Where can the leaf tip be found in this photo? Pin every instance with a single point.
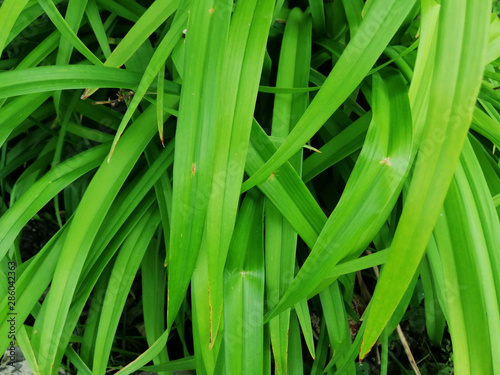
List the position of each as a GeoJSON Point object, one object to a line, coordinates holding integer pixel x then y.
{"type": "Point", "coordinates": [111, 153]}
{"type": "Point", "coordinates": [363, 351]}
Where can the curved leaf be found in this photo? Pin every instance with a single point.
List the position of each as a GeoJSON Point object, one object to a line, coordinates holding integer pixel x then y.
{"type": "Point", "coordinates": [371, 192]}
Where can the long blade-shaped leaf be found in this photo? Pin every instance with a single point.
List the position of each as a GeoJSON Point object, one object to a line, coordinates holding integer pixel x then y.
{"type": "Point", "coordinates": [242, 66]}
{"type": "Point", "coordinates": [371, 191]}
{"type": "Point", "coordinates": [461, 33]}
{"type": "Point", "coordinates": [244, 292]}
{"type": "Point", "coordinates": [66, 31]}
{"type": "Point", "coordinates": [89, 216]}
{"type": "Point", "coordinates": [156, 14]}
{"type": "Point", "coordinates": [9, 11]}
{"type": "Point", "coordinates": [194, 144]}
{"type": "Point", "coordinates": [379, 25]}
{"type": "Point", "coordinates": [281, 239]}
{"type": "Point", "coordinates": [125, 267]}
{"type": "Point", "coordinates": [156, 63]}
{"type": "Point", "coordinates": [49, 78]}
{"type": "Point", "coordinates": [466, 261]}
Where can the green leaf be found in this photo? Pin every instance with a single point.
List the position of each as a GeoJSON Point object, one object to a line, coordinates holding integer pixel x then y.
{"type": "Point", "coordinates": [281, 238]}
{"type": "Point", "coordinates": [194, 139]}
{"type": "Point", "coordinates": [461, 33]}
{"type": "Point", "coordinates": [88, 217]}
{"type": "Point", "coordinates": [244, 292]}
{"type": "Point", "coordinates": [370, 194]}
{"type": "Point", "coordinates": [379, 25]}
{"type": "Point", "coordinates": [50, 78]}
{"type": "Point", "coordinates": [155, 64]}
{"type": "Point", "coordinates": [9, 12]}
{"type": "Point", "coordinates": [66, 31]}
{"type": "Point", "coordinates": [242, 66]}
{"type": "Point", "coordinates": [125, 267]}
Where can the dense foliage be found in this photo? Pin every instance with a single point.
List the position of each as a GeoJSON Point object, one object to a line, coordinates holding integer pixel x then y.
{"type": "Point", "coordinates": [213, 185]}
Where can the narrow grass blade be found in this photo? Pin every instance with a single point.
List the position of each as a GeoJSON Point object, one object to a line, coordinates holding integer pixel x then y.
{"type": "Point", "coordinates": [12, 222]}
{"type": "Point", "coordinates": [207, 353]}
{"type": "Point", "coordinates": [73, 18]}
{"type": "Point", "coordinates": [159, 99]}
{"type": "Point", "coordinates": [467, 260]}
{"type": "Point", "coordinates": [50, 78]}
{"type": "Point", "coordinates": [163, 190]}
{"type": "Point", "coordinates": [66, 31]}
{"type": "Point", "coordinates": [353, 10]}
{"type": "Point", "coordinates": [321, 350]}
{"type": "Point", "coordinates": [295, 361]}
{"type": "Point", "coordinates": [92, 322]}
{"type": "Point", "coordinates": [344, 144]}
{"type": "Point", "coordinates": [154, 288]}
{"type": "Point", "coordinates": [131, 205]}
{"type": "Point", "coordinates": [281, 239]}
{"type": "Point", "coordinates": [335, 317]}
{"type": "Point", "coordinates": [183, 364]}
{"type": "Point", "coordinates": [24, 343]}
{"type": "Point", "coordinates": [30, 13]}
{"type": "Point", "coordinates": [155, 64]}
{"type": "Point", "coordinates": [34, 281]}
{"type": "Point", "coordinates": [318, 16]}
{"type": "Point", "coordinates": [304, 316]}
{"type": "Point", "coordinates": [17, 110]}
{"type": "Point", "coordinates": [155, 15]}
{"type": "Point", "coordinates": [98, 271]}
{"type": "Point", "coordinates": [297, 205]}
{"type": "Point", "coordinates": [434, 318]}
{"type": "Point", "coordinates": [122, 10]}
{"type": "Point", "coordinates": [92, 13]}
{"type": "Point", "coordinates": [74, 15]}
{"type": "Point", "coordinates": [486, 126]}
{"type": "Point", "coordinates": [493, 50]}
{"type": "Point", "coordinates": [31, 284]}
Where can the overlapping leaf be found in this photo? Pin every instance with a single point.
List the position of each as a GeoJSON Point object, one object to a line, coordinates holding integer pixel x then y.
{"type": "Point", "coordinates": [451, 103]}
{"type": "Point", "coordinates": [372, 189]}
